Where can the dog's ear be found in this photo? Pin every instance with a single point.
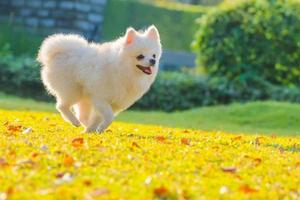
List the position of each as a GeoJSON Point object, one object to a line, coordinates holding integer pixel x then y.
{"type": "Point", "coordinates": [130, 35]}
{"type": "Point", "coordinates": [153, 33]}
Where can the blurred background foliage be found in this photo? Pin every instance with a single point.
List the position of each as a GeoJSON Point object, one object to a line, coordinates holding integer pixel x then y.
{"type": "Point", "coordinates": [176, 22]}
{"type": "Point", "coordinates": [191, 2]}
{"type": "Point", "coordinates": [18, 40]}
{"type": "Point", "coordinates": [246, 51]}
{"type": "Point", "coordinates": [251, 39]}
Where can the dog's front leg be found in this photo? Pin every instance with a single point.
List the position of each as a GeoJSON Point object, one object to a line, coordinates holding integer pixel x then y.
{"type": "Point", "coordinates": [107, 115]}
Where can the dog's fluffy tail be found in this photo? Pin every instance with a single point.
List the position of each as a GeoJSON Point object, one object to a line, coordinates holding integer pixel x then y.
{"type": "Point", "coordinates": [58, 44]}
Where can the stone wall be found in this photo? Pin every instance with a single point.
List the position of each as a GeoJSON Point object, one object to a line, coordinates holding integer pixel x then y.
{"type": "Point", "coordinates": [174, 60]}
{"type": "Point", "coordinates": [78, 16]}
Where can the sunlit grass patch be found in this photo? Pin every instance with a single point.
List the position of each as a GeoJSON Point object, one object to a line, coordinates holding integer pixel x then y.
{"type": "Point", "coordinates": [42, 157]}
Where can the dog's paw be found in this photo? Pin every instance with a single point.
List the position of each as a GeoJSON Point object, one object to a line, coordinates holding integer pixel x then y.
{"type": "Point", "coordinates": [89, 130]}
{"type": "Point", "coordinates": [100, 130]}
{"type": "Point", "coordinates": [76, 124]}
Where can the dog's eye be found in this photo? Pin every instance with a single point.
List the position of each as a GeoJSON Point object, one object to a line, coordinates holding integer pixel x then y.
{"type": "Point", "coordinates": [140, 57]}
{"type": "Point", "coordinates": [153, 55]}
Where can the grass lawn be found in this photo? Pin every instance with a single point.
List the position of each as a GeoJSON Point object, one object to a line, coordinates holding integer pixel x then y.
{"type": "Point", "coordinates": [42, 157]}
{"type": "Point", "coordinates": [258, 117]}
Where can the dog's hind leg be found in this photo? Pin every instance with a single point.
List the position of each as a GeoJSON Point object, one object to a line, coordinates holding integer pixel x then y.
{"type": "Point", "coordinates": [65, 110]}
{"type": "Point", "coordinates": [84, 111]}
{"type": "Point", "coordinates": [95, 120]}
{"type": "Point", "coordinates": [102, 111]}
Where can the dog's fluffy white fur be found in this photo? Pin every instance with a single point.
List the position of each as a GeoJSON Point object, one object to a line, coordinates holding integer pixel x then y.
{"type": "Point", "coordinates": [99, 80]}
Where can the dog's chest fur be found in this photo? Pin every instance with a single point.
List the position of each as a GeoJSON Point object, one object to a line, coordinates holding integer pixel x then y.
{"type": "Point", "coordinates": [129, 91]}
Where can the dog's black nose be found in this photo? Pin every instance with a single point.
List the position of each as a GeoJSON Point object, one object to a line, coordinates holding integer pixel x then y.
{"type": "Point", "coordinates": [152, 62]}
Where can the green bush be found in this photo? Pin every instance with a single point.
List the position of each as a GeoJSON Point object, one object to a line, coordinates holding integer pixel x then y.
{"type": "Point", "coordinates": [254, 38]}
{"type": "Point", "coordinates": [175, 91]}
{"type": "Point", "coordinates": [176, 26]}
{"type": "Point", "coordinates": [178, 91]}
{"type": "Point", "coordinates": [19, 40]}
{"type": "Point", "coordinates": [20, 75]}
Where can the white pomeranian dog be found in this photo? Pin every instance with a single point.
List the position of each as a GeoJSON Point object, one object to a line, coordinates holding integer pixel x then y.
{"type": "Point", "coordinates": [99, 80]}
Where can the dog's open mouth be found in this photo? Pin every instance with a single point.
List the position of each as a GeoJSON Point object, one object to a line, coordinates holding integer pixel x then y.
{"type": "Point", "coordinates": [146, 70]}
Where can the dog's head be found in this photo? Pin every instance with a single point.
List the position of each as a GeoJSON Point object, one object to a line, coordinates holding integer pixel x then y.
{"type": "Point", "coordinates": [143, 49]}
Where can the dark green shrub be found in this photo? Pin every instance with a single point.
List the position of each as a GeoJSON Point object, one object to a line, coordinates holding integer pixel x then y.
{"type": "Point", "coordinates": [227, 91]}
{"type": "Point", "coordinates": [22, 42]}
{"type": "Point", "coordinates": [176, 26]}
{"type": "Point", "coordinates": [285, 94]}
{"type": "Point", "coordinates": [254, 38]}
{"type": "Point", "coordinates": [20, 75]}
{"type": "Point", "coordinates": [175, 91]}
{"type": "Point", "coordinates": [178, 91]}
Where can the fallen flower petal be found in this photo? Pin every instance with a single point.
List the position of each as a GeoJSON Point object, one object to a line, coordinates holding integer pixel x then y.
{"type": "Point", "coordinates": [229, 169]}
{"type": "Point", "coordinates": [161, 191]}
{"type": "Point", "coordinates": [27, 130]}
{"type": "Point", "coordinates": [77, 142]}
{"type": "Point", "coordinates": [185, 141]}
{"type": "Point", "coordinates": [99, 192]}
{"type": "Point", "coordinates": [246, 189]}
{"type": "Point", "coordinates": [68, 161]}
{"type": "Point", "coordinates": [224, 190]}
{"type": "Point", "coordinates": [160, 138]}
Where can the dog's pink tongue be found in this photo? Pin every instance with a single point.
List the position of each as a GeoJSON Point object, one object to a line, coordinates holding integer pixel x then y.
{"type": "Point", "coordinates": [148, 70]}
